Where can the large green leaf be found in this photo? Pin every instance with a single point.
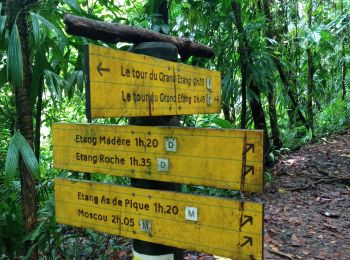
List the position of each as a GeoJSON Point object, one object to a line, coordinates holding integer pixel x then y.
{"type": "Point", "coordinates": [14, 57]}
{"type": "Point", "coordinates": [74, 5]}
{"type": "Point", "coordinates": [36, 28]}
{"type": "Point", "coordinates": [11, 165]}
{"type": "Point", "coordinates": [49, 25]}
{"type": "Point", "coordinates": [40, 64]}
{"type": "Point", "coordinates": [51, 85]}
{"type": "Point", "coordinates": [2, 24]}
{"type": "Point", "coordinates": [28, 155]}
{"type": "Point", "coordinates": [55, 84]}
{"type": "Point", "coordinates": [222, 123]}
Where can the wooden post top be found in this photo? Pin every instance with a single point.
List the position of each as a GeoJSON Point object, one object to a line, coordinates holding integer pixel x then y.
{"type": "Point", "coordinates": [113, 33]}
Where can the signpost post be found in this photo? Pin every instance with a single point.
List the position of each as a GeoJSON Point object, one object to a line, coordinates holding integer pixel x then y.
{"type": "Point", "coordinates": [163, 51]}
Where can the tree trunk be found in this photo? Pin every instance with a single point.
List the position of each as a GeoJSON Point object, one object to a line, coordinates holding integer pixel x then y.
{"type": "Point", "coordinates": [276, 136]}
{"type": "Point", "coordinates": [343, 82]}
{"type": "Point", "coordinates": [344, 68]}
{"type": "Point", "coordinates": [242, 59]}
{"type": "Point", "coordinates": [255, 103]}
{"type": "Point", "coordinates": [38, 113]}
{"type": "Point", "coordinates": [226, 111]}
{"type": "Point", "coordinates": [259, 114]}
{"type": "Point", "coordinates": [310, 73]}
{"type": "Point", "coordinates": [285, 75]}
{"type": "Point", "coordinates": [24, 115]}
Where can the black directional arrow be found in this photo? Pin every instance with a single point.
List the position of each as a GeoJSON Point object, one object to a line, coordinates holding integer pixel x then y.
{"type": "Point", "coordinates": [248, 240]}
{"type": "Point", "coordinates": [248, 219]}
{"type": "Point", "coordinates": [100, 69]}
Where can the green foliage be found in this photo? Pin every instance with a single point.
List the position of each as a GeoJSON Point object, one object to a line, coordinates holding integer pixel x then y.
{"type": "Point", "coordinates": [11, 233]}
{"type": "Point", "coordinates": [202, 190]}
{"type": "Point", "coordinates": [14, 57]}
{"type": "Point", "coordinates": [11, 166]}
{"type": "Point", "coordinates": [333, 117]}
{"type": "Point", "coordinates": [19, 146]}
{"type": "Point", "coordinates": [268, 177]}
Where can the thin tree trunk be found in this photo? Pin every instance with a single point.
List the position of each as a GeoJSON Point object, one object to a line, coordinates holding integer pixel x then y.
{"type": "Point", "coordinates": [255, 103]}
{"type": "Point", "coordinates": [276, 136]}
{"type": "Point", "coordinates": [286, 75]}
{"type": "Point", "coordinates": [24, 115]}
{"type": "Point", "coordinates": [343, 82]}
{"type": "Point", "coordinates": [226, 111]}
{"type": "Point", "coordinates": [233, 114]}
{"type": "Point", "coordinates": [38, 120]}
{"type": "Point", "coordinates": [290, 93]}
{"type": "Point", "coordinates": [259, 114]}
{"type": "Point", "coordinates": [310, 73]}
{"type": "Point", "coordinates": [344, 68]}
{"type": "Point", "coordinates": [236, 7]}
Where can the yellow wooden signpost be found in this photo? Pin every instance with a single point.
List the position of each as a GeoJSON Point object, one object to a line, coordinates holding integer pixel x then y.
{"type": "Point", "coordinates": [126, 84]}
{"type": "Point", "coordinates": [206, 224]}
{"type": "Point", "coordinates": [231, 159]}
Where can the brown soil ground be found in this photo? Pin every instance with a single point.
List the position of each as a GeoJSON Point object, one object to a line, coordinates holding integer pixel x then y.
{"type": "Point", "coordinates": [307, 208]}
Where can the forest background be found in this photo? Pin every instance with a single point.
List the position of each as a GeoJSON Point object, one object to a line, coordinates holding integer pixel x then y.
{"type": "Point", "coordinates": [284, 67]}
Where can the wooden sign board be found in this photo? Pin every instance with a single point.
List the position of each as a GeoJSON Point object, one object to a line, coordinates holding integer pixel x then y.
{"type": "Point", "coordinates": [207, 224]}
{"type": "Point", "coordinates": [126, 84]}
{"type": "Point", "coordinates": [230, 159]}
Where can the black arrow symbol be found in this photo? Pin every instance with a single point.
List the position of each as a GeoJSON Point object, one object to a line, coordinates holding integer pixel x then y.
{"type": "Point", "coordinates": [248, 240]}
{"type": "Point", "coordinates": [100, 69]}
{"type": "Point", "coordinates": [247, 220]}
{"type": "Point", "coordinates": [248, 169]}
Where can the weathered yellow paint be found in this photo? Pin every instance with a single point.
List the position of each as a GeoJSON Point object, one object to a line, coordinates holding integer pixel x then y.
{"type": "Point", "coordinates": [127, 84]}
{"type": "Point", "coordinates": [223, 227]}
{"type": "Point", "coordinates": [209, 157]}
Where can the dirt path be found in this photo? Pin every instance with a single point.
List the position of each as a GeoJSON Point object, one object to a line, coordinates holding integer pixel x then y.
{"type": "Point", "coordinates": [307, 208]}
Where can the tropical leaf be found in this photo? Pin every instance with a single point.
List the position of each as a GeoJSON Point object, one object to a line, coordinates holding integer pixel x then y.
{"type": "Point", "coordinates": [40, 64]}
{"type": "Point", "coordinates": [2, 24]}
{"type": "Point", "coordinates": [74, 5]}
{"type": "Point", "coordinates": [28, 155]}
{"type": "Point", "coordinates": [48, 25]}
{"type": "Point", "coordinates": [222, 122]}
{"type": "Point", "coordinates": [50, 83]}
{"type": "Point", "coordinates": [14, 57]}
{"type": "Point", "coordinates": [80, 80]}
{"type": "Point", "coordinates": [36, 28]}
{"type": "Point", "coordinates": [11, 165]}
{"type": "Point", "coordinates": [55, 84]}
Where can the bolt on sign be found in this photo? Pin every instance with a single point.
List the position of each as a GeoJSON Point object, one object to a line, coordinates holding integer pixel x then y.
{"type": "Point", "coordinates": [230, 159]}
{"type": "Point", "coordinates": [214, 225]}
{"type": "Point", "coordinates": [126, 84]}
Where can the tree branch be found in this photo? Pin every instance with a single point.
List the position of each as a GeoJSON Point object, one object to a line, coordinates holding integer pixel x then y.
{"type": "Point", "coordinates": [113, 33]}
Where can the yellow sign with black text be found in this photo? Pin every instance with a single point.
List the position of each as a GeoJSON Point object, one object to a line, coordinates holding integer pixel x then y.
{"type": "Point", "coordinates": [207, 224]}
{"type": "Point", "coordinates": [121, 83]}
{"type": "Point", "coordinates": [229, 159]}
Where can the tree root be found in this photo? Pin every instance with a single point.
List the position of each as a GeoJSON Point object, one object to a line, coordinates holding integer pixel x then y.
{"type": "Point", "coordinates": [345, 180]}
